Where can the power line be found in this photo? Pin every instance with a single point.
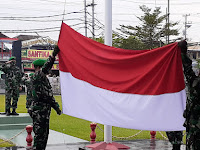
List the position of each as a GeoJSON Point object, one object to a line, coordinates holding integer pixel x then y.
{"type": "Point", "coordinates": [28, 31]}
{"type": "Point", "coordinates": [37, 30]}
{"type": "Point", "coordinates": [153, 3]}
{"type": "Point", "coordinates": [42, 20]}
{"type": "Point", "coordinates": [50, 16]}
{"type": "Point", "coordinates": [31, 29]}
{"type": "Point", "coordinates": [44, 1]}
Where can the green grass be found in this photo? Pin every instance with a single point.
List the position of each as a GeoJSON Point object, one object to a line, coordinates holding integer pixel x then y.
{"type": "Point", "coordinates": [5, 144]}
{"type": "Point", "coordinates": [81, 128]}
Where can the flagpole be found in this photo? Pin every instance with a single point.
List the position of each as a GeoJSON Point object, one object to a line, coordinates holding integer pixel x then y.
{"type": "Point", "coordinates": [108, 41]}
{"type": "Point", "coordinates": [108, 128]}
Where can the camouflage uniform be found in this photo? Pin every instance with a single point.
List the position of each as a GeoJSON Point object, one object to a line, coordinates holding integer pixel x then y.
{"type": "Point", "coordinates": [29, 97]}
{"type": "Point", "coordinates": [12, 82]}
{"type": "Point", "coordinates": [175, 138]}
{"type": "Point", "coordinates": [43, 100]}
{"type": "Point", "coordinates": [192, 112]}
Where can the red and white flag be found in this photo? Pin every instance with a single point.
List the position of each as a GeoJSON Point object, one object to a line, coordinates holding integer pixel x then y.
{"type": "Point", "coordinates": [137, 89]}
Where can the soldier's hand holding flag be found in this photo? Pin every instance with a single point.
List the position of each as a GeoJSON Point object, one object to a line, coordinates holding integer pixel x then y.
{"type": "Point", "coordinates": [59, 112]}
{"type": "Point", "coordinates": [56, 51]}
{"type": "Point", "coordinates": [183, 46]}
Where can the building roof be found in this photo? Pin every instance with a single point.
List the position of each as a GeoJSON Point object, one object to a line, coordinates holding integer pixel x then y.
{"type": "Point", "coordinates": [194, 48]}
{"type": "Point", "coordinates": [26, 37]}
{"type": "Point", "coordinates": [3, 35]}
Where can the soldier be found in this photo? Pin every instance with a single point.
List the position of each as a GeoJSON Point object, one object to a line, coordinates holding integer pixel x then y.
{"type": "Point", "coordinates": [27, 81]}
{"type": "Point", "coordinates": [12, 82]}
{"type": "Point", "coordinates": [175, 138]}
{"type": "Point", "coordinates": [192, 112]}
{"type": "Point", "coordinates": [43, 100]}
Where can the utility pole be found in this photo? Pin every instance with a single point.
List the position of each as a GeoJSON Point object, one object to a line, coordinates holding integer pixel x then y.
{"type": "Point", "coordinates": [168, 23]}
{"type": "Point", "coordinates": [92, 5]}
{"type": "Point", "coordinates": [166, 32]}
{"type": "Point", "coordinates": [85, 18]}
{"type": "Point", "coordinates": [187, 25]}
{"type": "Point", "coordinates": [93, 35]}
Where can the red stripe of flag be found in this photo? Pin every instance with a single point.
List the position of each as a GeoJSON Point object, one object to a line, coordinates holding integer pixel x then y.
{"type": "Point", "coordinates": [146, 72]}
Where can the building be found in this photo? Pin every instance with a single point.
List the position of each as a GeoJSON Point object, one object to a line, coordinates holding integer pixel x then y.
{"type": "Point", "coordinates": [27, 48]}
{"type": "Point", "coordinates": [38, 48]}
{"type": "Point", "coordinates": [5, 52]}
{"type": "Point", "coordinates": [194, 51]}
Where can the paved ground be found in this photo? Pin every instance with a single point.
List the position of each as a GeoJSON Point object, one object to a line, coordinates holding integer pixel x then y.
{"type": "Point", "coordinates": [134, 145]}
{"type": "Point", "coordinates": [55, 138]}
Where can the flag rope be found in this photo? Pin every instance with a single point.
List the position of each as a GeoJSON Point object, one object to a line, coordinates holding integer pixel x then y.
{"type": "Point", "coordinates": [9, 140]}
{"type": "Point", "coordinates": [64, 11]}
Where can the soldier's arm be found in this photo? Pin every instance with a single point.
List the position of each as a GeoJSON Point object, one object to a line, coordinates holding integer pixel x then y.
{"type": "Point", "coordinates": [5, 67]}
{"type": "Point", "coordinates": [1, 67]}
{"type": "Point", "coordinates": [23, 80]}
{"type": "Point", "coordinates": [50, 61]}
{"type": "Point", "coordinates": [48, 65]}
{"type": "Point", "coordinates": [188, 71]}
{"type": "Point", "coordinates": [187, 63]}
{"type": "Point", "coordinates": [55, 106]}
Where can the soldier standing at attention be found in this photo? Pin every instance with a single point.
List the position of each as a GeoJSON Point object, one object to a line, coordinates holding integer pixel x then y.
{"type": "Point", "coordinates": [192, 112]}
{"type": "Point", "coordinates": [27, 81]}
{"type": "Point", "coordinates": [12, 82]}
{"type": "Point", "coordinates": [43, 100]}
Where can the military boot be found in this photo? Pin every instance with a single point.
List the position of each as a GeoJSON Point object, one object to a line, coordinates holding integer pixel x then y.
{"type": "Point", "coordinates": [7, 112]}
{"type": "Point", "coordinates": [176, 147]}
{"type": "Point", "coordinates": [14, 112]}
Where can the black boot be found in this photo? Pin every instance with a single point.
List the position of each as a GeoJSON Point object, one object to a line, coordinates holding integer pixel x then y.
{"type": "Point", "coordinates": [14, 112]}
{"type": "Point", "coordinates": [176, 147]}
{"type": "Point", "coordinates": [8, 112]}
{"type": "Point", "coordinates": [4, 112]}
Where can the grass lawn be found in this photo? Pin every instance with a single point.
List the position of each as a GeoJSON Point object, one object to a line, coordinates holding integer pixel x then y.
{"type": "Point", "coordinates": [78, 127]}
{"type": "Point", "coordinates": [5, 144]}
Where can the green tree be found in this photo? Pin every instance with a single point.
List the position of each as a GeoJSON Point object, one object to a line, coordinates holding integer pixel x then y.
{"type": "Point", "coordinates": [131, 42]}
{"type": "Point", "coordinates": [152, 27]}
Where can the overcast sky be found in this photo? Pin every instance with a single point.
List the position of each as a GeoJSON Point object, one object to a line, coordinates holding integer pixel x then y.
{"type": "Point", "coordinates": [45, 15]}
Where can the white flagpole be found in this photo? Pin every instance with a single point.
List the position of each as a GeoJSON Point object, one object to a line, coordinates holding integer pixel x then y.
{"type": "Point", "coordinates": [108, 41]}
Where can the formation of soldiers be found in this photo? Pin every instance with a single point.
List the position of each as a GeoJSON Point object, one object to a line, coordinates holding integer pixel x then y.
{"type": "Point", "coordinates": [39, 99]}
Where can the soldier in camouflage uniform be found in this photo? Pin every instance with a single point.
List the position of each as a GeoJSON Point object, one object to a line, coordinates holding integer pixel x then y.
{"type": "Point", "coordinates": [175, 138]}
{"type": "Point", "coordinates": [27, 81]}
{"type": "Point", "coordinates": [12, 82]}
{"type": "Point", "coordinates": [43, 100]}
{"type": "Point", "coordinates": [192, 112]}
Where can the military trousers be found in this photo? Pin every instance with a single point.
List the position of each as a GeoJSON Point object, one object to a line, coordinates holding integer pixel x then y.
{"type": "Point", "coordinates": [193, 141]}
{"type": "Point", "coordinates": [12, 94]}
{"type": "Point", "coordinates": [40, 127]}
{"type": "Point", "coordinates": [28, 102]}
{"type": "Point", "coordinates": [175, 137]}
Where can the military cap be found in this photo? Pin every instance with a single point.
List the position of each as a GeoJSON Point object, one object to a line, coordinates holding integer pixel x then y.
{"type": "Point", "coordinates": [31, 74]}
{"type": "Point", "coordinates": [39, 62]}
{"type": "Point", "coordinates": [12, 58]}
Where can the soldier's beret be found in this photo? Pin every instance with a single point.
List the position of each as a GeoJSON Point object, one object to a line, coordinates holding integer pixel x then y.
{"type": "Point", "coordinates": [39, 62]}
{"type": "Point", "coordinates": [12, 58]}
{"type": "Point", "coordinates": [31, 74]}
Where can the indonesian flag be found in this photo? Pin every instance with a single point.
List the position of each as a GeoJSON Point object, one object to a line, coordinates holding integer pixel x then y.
{"type": "Point", "coordinates": [137, 89]}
